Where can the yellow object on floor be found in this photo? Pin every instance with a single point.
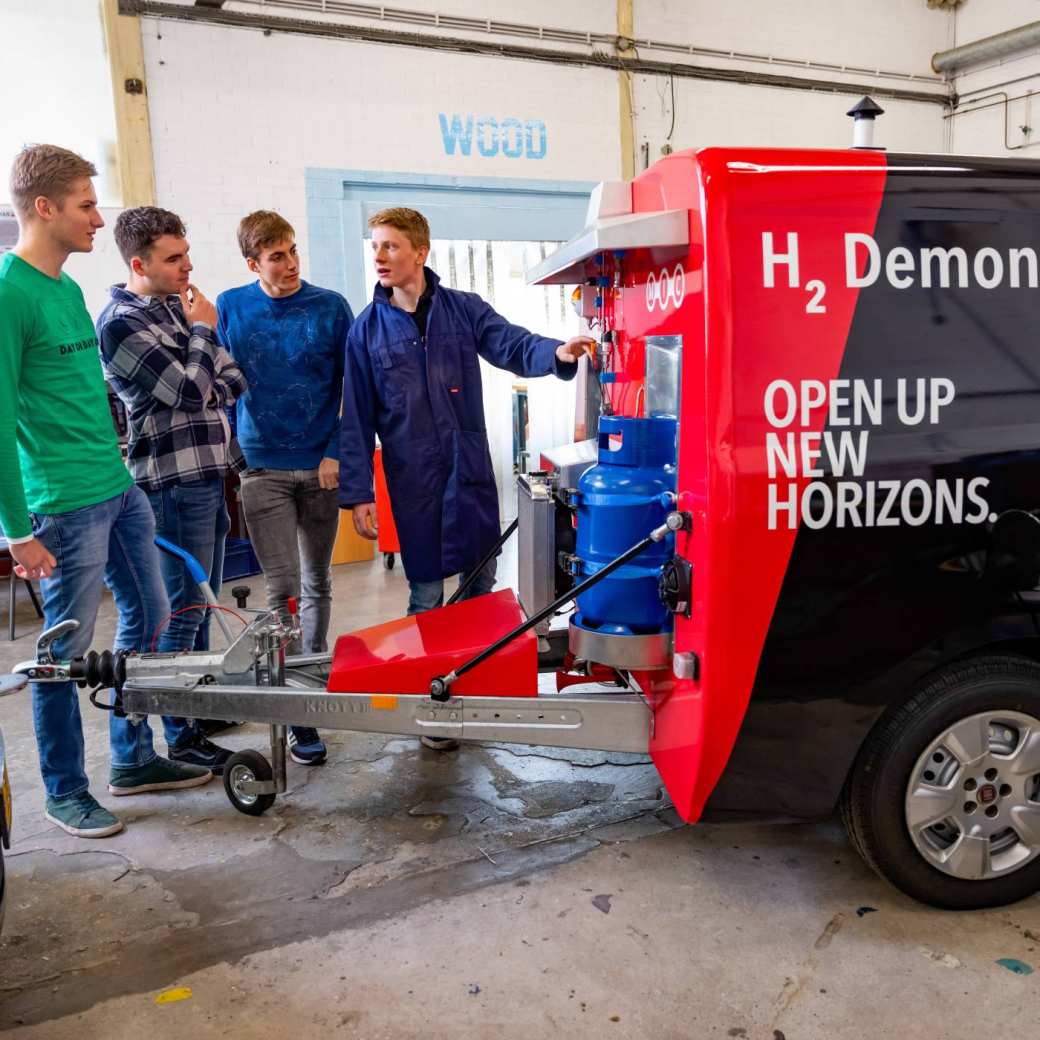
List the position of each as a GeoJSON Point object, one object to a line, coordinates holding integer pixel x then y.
{"type": "Point", "coordinates": [171, 996]}
{"type": "Point", "coordinates": [350, 547]}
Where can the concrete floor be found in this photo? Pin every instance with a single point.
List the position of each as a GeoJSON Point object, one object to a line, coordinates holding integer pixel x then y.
{"type": "Point", "coordinates": [500, 891]}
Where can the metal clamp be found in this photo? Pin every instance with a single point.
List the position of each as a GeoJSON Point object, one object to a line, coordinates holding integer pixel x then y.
{"type": "Point", "coordinates": [570, 564]}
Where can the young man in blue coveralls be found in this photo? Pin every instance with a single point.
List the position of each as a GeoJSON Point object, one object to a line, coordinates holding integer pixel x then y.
{"type": "Point", "coordinates": [412, 377]}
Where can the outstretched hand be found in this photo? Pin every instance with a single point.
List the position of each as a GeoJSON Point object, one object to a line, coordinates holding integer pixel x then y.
{"type": "Point", "coordinates": [575, 348]}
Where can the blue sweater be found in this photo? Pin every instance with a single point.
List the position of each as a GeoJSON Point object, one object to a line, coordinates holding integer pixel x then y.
{"type": "Point", "coordinates": [291, 351]}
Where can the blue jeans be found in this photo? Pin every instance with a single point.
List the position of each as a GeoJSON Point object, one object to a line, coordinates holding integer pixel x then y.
{"type": "Point", "coordinates": [426, 595]}
{"type": "Point", "coordinates": [192, 516]}
{"type": "Point", "coordinates": [110, 542]}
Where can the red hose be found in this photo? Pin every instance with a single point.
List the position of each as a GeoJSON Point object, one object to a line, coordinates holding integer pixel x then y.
{"type": "Point", "coordinates": [194, 606]}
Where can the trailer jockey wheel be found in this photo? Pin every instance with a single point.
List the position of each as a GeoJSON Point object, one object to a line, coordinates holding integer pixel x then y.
{"type": "Point", "coordinates": [388, 561]}
{"type": "Point", "coordinates": [241, 768]}
{"type": "Point", "coordinates": [944, 797]}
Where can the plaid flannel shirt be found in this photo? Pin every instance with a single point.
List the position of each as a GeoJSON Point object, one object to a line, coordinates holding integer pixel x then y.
{"type": "Point", "coordinates": [176, 384]}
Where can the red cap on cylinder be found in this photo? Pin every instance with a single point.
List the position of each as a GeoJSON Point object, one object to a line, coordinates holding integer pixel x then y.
{"type": "Point", "coordinates": [290, 605]}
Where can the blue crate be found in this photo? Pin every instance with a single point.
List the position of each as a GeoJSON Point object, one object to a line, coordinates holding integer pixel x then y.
{"type": "Point", "coordinates": [239, 559]}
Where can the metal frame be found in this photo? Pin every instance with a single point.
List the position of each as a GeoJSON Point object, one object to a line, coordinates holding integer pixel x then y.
{"type": "Point", "coordinates": [254, 681]}
{"type": "Point", "coordinates": [604, 722]}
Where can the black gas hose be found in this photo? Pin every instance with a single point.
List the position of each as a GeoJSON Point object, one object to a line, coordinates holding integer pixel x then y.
{"type": "Point", "coordinates": [473, 574]}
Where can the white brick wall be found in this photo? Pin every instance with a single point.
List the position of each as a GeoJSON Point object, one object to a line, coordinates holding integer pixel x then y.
{"type": "Point", "coordinates": [894, 35]}
{"type": "Point", "coordinates": [982, 132]}
{"type": "Point", "coordinates": [239, 136]}
{"type": "Point", "coordinates": [237, 116]}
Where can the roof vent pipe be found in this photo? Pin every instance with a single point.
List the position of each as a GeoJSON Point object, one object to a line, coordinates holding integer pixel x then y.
{"type": "Point", "coordinates": [1004, 44]}
{"type": "Point", "coordinates": [863, 113]}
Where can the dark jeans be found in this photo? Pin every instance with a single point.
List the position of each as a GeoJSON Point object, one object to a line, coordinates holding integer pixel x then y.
{"type": "Point", "coordinates": [292, 524]}
{"type": "Point", "coordinates": [192, 516]}
{"type": "Point", "coordinates": [426, 595]}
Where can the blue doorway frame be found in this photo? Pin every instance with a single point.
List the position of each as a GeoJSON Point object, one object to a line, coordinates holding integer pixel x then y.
{"type": "Point", "coordinates": [339, 203]}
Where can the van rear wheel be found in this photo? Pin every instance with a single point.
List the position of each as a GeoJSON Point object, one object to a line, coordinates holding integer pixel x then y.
{"type": "Point", "coordinates": [944, 798]}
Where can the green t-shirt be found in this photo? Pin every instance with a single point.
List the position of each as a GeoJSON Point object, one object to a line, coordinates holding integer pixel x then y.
{"type": "Point", "coordinates": [58, 446]}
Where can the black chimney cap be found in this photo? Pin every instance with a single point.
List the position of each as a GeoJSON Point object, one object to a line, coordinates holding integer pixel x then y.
{"type": "Point", "coordinates": [865, 108]}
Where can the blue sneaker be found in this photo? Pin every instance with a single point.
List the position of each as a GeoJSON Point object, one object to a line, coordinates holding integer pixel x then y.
{"type": "Point", "coordinates": [158, 775]}
{"type": "Point", "coordinates": [306, 747]}
{"type": "Point", "coordinates": [82, 815]}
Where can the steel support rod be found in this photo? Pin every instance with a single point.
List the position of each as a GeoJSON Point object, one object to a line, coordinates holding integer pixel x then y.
{"type": "Point", "coordinates": [473, 574]}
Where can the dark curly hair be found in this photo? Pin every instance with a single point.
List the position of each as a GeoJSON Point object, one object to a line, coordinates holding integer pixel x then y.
{"type": "Point", "coordinates": [138, 229]}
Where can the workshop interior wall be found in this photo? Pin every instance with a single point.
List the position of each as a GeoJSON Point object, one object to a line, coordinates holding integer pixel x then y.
{"type": "Point", "coordinates": [238, 116]}
{"type": "Point", "coordinates": [240, 134]}
{"type": "Point", "coordinates": [997, 84]}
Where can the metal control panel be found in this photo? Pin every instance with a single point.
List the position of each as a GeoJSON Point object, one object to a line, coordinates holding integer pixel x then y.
{"type": "Point", "coordinates": [536, 543]}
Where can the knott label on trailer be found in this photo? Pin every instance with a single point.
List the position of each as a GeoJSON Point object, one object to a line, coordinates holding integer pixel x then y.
{"type": "Point", "coordinates": [794, 456]}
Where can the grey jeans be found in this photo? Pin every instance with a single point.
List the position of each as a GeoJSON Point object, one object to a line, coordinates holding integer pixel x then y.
{"type": "Point", "coordinates": [292, 524]}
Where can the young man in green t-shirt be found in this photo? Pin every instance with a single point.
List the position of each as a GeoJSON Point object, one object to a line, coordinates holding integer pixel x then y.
{"type": "Point", "coordinates": [68, 508]}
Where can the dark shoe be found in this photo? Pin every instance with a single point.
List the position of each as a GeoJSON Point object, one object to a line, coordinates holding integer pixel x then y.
{"type": "Point", "coordinates": [207, 727]}
{"type": "Point", "coordinates": [196, 750]}
{"type": "Point", "coordinates": [82, 815]}
{"type": "Point", "coordinates": [306, 747]}
{"type": "Point", "coordinates": [441, 743]}
{"type": "Point", "coordinates": [158, 775]}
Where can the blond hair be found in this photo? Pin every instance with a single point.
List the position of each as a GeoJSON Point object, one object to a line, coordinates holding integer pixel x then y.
{"type": "Point", "coordinates": [261, 230]}
{"type": "Point", "coordinates": [410, 222]}
{"type": "Point", "coordinates": [47, 170]}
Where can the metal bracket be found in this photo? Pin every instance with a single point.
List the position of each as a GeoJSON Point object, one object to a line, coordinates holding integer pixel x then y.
{"type": "Point", "coordinates": [51, 635]}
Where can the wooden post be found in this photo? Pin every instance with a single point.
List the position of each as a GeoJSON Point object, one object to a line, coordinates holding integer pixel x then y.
{"type": "Point", "coordinates": [626, 110]}
{"type": "Point", "coordinates": [129, 93]}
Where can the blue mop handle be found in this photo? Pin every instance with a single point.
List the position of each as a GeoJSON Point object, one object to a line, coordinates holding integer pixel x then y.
{"type": "Point", "coordinates": [194, 567]}
{"type": "Point", "coordinates": [196, 570]}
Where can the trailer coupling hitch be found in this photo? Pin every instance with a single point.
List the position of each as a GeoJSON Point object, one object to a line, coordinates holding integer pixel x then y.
{"type": "Point", "coordinates": [440, 688]}
{"type": "Point", "coordinates": [96, 670]}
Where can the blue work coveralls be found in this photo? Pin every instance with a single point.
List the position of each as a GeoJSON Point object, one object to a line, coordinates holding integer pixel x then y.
{"type": "Point", "coordinates": [423, 397]}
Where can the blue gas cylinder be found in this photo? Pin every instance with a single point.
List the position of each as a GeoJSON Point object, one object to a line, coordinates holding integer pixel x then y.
{"type": "Point", "coordinates": [620, 501]}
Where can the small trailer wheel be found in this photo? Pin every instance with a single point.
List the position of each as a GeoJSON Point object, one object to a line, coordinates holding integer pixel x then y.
{"type": "Point", "coordinates": [240, 768]}
{"type": "Point", "coordinates": [388, 561]}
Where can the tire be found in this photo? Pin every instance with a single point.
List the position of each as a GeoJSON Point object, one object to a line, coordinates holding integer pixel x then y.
{"type": "Point", "coordinates": [247, 765]}
{"type": "Point", "coordinates": [388, 561]}
{"type": "Point", "coordinates": [954, 825]}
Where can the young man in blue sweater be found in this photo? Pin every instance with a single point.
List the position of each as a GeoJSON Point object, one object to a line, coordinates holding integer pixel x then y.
{"type": "Point", "coordinates": [289, 339]}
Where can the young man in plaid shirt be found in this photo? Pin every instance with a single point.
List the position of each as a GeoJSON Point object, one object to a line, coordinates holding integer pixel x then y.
{"type": "Point", "coordinates": [161, 356]}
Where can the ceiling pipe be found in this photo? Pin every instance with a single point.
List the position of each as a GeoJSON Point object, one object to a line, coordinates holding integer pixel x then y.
{"type": "Point", "coordinates": [1014, 41]}
{"type": "Point", "coordinates": [269, 24]}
